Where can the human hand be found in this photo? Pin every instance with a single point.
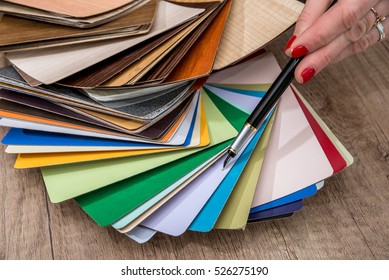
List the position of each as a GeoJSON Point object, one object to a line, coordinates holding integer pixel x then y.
{"type": "Point", "coordinates": [326, 37]}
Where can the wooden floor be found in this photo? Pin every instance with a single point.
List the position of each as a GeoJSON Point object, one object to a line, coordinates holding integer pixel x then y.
{"type": "Point", "coordinates": [348, 219]}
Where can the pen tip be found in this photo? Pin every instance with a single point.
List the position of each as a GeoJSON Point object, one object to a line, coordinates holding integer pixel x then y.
{"type": "Point", "coordinates": [226, 161]}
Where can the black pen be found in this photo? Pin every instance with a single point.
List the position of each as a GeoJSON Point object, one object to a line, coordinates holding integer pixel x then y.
{"type": "Point", "coordinates": [264, 107]}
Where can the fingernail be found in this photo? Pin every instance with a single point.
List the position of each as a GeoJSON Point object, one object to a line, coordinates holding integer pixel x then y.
{"type": "Point", "coordinates": [307, 74]}
{"type": "Point", "coordinates": [299, 51]}
{"type": "Point", "coordinates": [290, 42]}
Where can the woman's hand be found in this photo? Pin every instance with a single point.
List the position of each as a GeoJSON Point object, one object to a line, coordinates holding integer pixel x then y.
{"type": "Point", "coordinates": [325, 37]}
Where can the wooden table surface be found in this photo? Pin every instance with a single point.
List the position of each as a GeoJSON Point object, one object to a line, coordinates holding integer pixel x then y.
{"type": "Point", "coordinates": [347, 219]}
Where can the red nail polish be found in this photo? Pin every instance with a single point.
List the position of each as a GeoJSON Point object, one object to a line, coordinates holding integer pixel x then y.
{"type": "Point", "coordinates": [307, 74]}
{"type": "Point", "coordinates": [299, 51]}
{"type": "Point", "coordinates": [290, 42]}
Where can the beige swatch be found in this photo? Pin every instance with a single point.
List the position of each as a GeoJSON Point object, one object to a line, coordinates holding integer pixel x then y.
{"type": "Point", "coordinates": [253, 24]}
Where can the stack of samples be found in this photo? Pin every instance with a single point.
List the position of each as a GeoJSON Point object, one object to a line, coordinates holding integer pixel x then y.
{"type": "Point", "coordinates": [128, 107]}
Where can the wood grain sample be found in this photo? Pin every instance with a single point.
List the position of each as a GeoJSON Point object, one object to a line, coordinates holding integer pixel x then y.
{"type": "Point", "coordinates": [53, 64]}
{"type": "Point", "coordinates": [74, 8]}
{"type": "Point", "coordinates": [199, 59]}
{"type": "Point", "coordinates": [21, 34]}
{"type": "Point", "coordinates": [253, 24]}
{"type": "Point", "coordinates": [99, 73]}
{"type": "Point", "coordinates": [139, 68]}
{"type": "Point", "coordinates": [162, 70]}
{"type": "Point", "coordinates": [86, 22]}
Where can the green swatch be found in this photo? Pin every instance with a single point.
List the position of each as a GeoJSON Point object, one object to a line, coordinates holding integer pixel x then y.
{"type": "Point", "coordinates": [111, 203]}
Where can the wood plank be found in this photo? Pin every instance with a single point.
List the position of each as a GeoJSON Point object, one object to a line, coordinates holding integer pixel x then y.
{"type": "Point", "coordinates": [24, 220]}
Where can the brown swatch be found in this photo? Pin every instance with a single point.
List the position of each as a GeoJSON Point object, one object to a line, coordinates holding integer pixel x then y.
{"type": "Point", "coordinates": [166, 66]}
{"type": "Point", "coordinates": [199, 60]}
{"type": "Point", "coordinates": [99, 73]}
{"type": "Point", "coordinates": [54, 64]}
{"type": "Point", "coordinates": [19, 34]}
{"type": "Point", "coordinates": [74, 8]}
{"type": "Point", "coordinates": [60, 19]}
{"type": "Point", "coordinates": [133, 72]}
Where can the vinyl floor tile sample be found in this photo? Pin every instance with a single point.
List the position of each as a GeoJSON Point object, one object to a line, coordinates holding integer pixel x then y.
{"type": "Point", "coordinates": [253, 24]}
{"type": "Point", "coordinates": [53, 64]}
{"type": "Point", "coordinates": [139, 68]}
{"type": "Point", "coordinates": [199, 60]}
{"type": "Point", "coordinates": [63, 19]}
{"type": "Point", "coordinates": [166, 66]}
{"type": "Point", "coordinates": [99, 73]}
{"type": "Point", "coordinates": [21, 34]}
{"type": "Point", "coordinates": [74, 8]}
{"type": "Point", "coordinates": [74, 99]}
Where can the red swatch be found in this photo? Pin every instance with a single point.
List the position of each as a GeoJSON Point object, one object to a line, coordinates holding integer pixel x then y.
{"type": "Point", "coordinates": [336, 160]}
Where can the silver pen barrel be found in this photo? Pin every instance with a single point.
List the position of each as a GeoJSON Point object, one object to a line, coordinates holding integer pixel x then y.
{"type": "Point", "coordinates": [245, 134]}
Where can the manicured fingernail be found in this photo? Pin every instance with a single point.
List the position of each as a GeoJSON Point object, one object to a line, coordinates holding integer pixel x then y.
{"type": "Point", "coordinates": [290, 42]}
{"type": "Point", "coordinates": [307, 74]}
{"type": "Point", "coordinates": [299, 51]}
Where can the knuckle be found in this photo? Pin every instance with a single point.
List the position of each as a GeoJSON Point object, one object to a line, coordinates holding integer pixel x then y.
{"type": "Point", "coordinates": [321, 39]}
{"type": "Point", "coordinates": [357, 31]}
{"type": "Point", "coordinates": [350, 16]}
{"type": "Point", "coordinates": [360, 45]}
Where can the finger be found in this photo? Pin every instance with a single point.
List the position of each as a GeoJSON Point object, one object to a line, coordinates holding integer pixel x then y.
{"type": "Point", "coordinates": [316, 61]}
{"type": "Point", "coordinates": [371, 38]}
{"type": "Point", "coordinates": [312, 10]}
{"type": "Point", "coordinates": [366, 23]}
{"type": "Point", "coordinates": [313, 63]}
{"type": "Point", "coordinates": [337, 20]}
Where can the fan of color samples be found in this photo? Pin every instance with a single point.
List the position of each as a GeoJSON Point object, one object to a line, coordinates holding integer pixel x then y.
{"type": "Point", "coordinates": [129, 107]}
